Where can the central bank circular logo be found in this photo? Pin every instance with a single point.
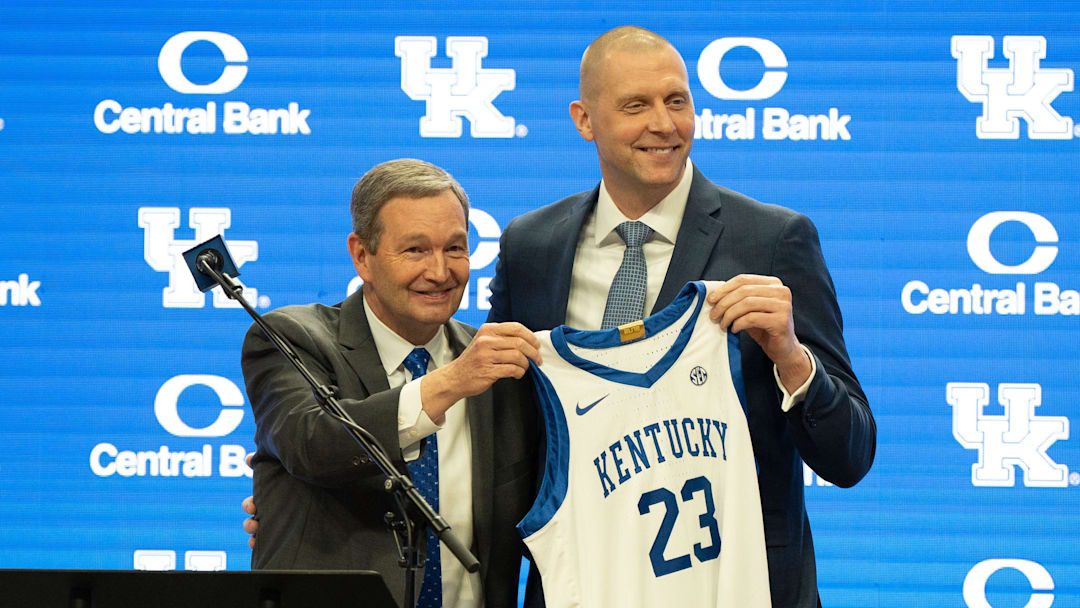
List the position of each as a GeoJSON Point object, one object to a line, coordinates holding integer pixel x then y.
{"type": "Point", "coordinates": [231, 49]}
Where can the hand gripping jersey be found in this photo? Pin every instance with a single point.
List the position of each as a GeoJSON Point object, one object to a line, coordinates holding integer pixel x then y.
{"type": "Point", "coordinates": [649, 495]}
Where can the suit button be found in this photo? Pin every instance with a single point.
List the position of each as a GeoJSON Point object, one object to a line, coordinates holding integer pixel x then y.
{"type": "Point", "coordinates": [356, 461]}
{"type": "Point", "coordinates": [364, 460]}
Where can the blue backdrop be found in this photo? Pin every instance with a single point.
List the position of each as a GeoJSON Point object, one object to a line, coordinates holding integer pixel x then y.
{"type": "Point", "coordinates": [931, 143]}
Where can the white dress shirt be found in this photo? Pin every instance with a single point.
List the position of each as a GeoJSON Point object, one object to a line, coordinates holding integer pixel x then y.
{"type": "Point", "coordinates": [460, 589]}
{"type": "Point", "coordinates": [600, 253]}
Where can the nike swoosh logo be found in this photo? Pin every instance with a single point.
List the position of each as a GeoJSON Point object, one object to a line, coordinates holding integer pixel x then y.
{"type": "Point", "coordinates": [581, 410]}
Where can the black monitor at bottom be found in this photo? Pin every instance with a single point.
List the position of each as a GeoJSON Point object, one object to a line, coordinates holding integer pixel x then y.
{"type": "Point", "coordinates": [187, 589]}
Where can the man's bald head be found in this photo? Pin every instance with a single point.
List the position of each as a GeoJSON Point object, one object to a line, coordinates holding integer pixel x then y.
{"type": "Point", "coordinates": [623, 39]}
{"type": "Point", "coordinates": [637, 109]}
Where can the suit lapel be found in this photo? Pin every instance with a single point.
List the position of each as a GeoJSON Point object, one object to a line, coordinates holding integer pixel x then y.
{"type": "Point", "coordinates": [567, 231]}
{"type": "Point", "coordinates": [698, 233]}
{"type": "Point", "coordinates": [479, 411]}
{"type": "Point", "coordinates": [355, 335]}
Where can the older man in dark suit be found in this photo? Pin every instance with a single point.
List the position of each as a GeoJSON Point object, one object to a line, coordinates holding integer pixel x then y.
{"type": "Point", "coordinates": [434, 394]}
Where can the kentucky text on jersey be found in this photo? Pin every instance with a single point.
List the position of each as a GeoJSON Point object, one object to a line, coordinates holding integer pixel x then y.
{"type": "Point", "coordinates": [686, 437]}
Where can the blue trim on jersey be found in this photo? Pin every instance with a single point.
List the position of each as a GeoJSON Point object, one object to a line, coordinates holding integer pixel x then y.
{"type": "Point", "coordinates": [609, 338]}
{"type": "Point", "coordinates": [553, 486]}
{"type": "Point", "coordinates": [734, 356]}
{"type": "Point", "coordinates": [735, 365]}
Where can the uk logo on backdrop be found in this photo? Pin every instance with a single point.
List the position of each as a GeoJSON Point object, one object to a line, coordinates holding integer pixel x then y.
{"type": "Point", "coordinates": [1025, 90]}
{"type": "Point", "coordinates": [1016, 438]}
{"type": "Point", "coordinates": [165, 253]}
{"type": "Point", "coordinates": [464, 90]}
{"type": "Point", "coordinates": [165, 559]}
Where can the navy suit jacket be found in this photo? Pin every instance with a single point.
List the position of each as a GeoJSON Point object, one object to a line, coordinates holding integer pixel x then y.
{"type": "Point", "coordinates": [724, 234]}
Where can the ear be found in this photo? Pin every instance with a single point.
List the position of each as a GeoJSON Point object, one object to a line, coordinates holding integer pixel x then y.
{"type": "Point", "coordinates": [361, 257]}
{"type": "Point", "coordinates": [581, 120]}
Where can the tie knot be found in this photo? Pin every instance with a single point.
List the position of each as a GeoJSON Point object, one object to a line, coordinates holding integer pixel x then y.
{"type": "Point", "coordinates": [634, 234]}
{"type": "Point", "coordinates": [417, 362]}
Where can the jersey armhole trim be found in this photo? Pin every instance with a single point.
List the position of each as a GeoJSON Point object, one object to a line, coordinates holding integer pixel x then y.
{"type": "Point", "coordinates": [735, 365]}
{"type": "Point", "coordinates": [555, 481]}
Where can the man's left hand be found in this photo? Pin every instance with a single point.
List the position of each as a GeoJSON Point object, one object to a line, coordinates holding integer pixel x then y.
{"type": "Point", "coordinates": [761, 306]}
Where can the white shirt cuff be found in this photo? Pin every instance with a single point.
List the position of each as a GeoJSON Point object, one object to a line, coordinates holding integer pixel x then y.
{"type": "Point", "coordinates": [413, 422]}
{"type": "Point", "coordinates": [799, 394]}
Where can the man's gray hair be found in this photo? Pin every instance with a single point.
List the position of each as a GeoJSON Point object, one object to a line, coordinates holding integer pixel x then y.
{"type": "Point", "coordinates": [404, 177]}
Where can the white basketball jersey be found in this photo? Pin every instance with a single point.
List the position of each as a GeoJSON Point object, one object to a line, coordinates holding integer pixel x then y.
{"type": "Point", "coordinates": [649, 495]}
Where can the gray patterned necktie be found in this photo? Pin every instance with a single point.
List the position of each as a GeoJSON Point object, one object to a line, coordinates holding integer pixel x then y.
{"type": "Point", "coordinates": [424, 472]}
{"type": "Point", "coordinates": [626, 298]}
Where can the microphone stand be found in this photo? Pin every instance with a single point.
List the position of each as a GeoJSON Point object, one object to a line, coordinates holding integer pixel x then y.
{"type": "Point", "coordinates": [407, 536]}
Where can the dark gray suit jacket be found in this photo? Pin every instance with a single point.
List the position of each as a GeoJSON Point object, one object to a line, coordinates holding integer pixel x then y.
{"type": "Point", "coordinates": [320, 499]}
{"type": "Point", "coordinates": [723, 234]}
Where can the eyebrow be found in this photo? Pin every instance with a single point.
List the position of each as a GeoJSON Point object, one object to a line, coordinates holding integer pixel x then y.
{"type": "Point", "coordinates": [638, 96]}
{"type": "Point", "coordinates": [417, 236]}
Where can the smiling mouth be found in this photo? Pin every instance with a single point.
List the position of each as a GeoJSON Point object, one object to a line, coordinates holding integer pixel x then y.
{"type": "Point", "coordinates": [659, 151]}
{"type": "Point", "coordinates": [440, 294]}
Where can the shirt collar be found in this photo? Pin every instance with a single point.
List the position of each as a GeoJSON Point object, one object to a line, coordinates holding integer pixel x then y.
{"type": "Point", "coordinates": [393, 349]}
{"type": "Point", "coordinates": [664, 218]}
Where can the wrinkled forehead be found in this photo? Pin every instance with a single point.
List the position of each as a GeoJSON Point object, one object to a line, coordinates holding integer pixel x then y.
{"type": "Point", "coordinates": [442, 214]}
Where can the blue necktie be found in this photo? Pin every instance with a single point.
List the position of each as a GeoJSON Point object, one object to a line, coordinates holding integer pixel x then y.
{"type": "Point", "coordinates": [626, 298]}
{"type": "Point", "coordinates": [424, 472]}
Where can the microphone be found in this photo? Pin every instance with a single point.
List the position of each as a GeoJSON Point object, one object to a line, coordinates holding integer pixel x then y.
{"type": "Point", "coordinates": [211, 258]}
{"type": "Point", "coordinates": [207, 259]}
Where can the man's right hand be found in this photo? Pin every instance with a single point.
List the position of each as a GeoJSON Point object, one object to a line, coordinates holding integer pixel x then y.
{"type": "Point", "coordinates": [499, 350]}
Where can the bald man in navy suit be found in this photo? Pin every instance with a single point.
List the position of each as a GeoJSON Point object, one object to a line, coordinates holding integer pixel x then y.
{"type": "Point", "coordinates": [556, 265]}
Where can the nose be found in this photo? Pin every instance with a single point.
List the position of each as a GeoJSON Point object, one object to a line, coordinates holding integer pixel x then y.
{"type": "Point", "coordinates": [660, 120]}
{"type": "Point", "coordinates": [438, 270]}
